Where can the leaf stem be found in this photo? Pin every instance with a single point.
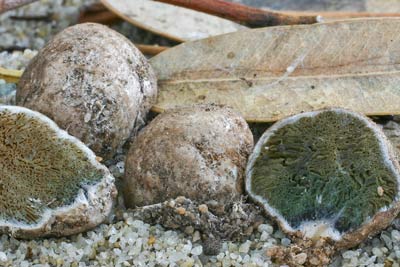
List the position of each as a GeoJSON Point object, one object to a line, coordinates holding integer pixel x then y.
{"type": "Point", "coordinates": [249, 16]}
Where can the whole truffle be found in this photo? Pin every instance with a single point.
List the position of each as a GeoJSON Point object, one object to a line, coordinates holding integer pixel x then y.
{"type": "Point", "coordinates": [94, 83]}
{"type": "Point", "coordinates": [329, 174]}
{"type": "Point", "coordinates": [198, 152]}
{"type": "Point", "coordinates": [50, 182]}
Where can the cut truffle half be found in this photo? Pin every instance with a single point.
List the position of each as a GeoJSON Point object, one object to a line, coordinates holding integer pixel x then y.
{"type": "Point", "coordinates": [329, 173]}
{"type": "Point", "coordinates": [50, 183]}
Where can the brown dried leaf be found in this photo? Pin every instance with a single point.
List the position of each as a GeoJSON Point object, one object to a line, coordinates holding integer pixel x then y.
{"type": "Point", "coordinates": [170, 21]}
{"type": "Point", "coordinates": [271, 73]}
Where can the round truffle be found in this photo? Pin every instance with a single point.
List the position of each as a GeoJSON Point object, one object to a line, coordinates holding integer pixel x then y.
{"type": "Point", "coordinates": [329, 173]}
{"type": "Point", "coordinates": [94, 83]}
{"type": "Point", "coordinates": [198, 152]}
{"type": "Point", "coordinates": [50, 182]}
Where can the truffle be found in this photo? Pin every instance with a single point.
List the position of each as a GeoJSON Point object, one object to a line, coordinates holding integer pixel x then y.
{"type": "Point", "coordinates": [94, 83]}
{"type": "Point", "coordinates": [329, 173]}
{"type": "Point", "coordinates": [50, 183]}
{"type": "Point", "coordinates": [199, 152]}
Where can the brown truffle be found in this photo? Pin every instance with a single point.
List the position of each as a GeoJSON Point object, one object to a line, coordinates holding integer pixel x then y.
{"type": "Point", "coordinates": [94, 83]}
{"type": "Point", "coordinates": [199, 152]}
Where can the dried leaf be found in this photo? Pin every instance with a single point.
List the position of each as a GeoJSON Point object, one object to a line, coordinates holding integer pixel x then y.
{"type": "Point", "coordinates": [271, 73]}
{"type": "Point", "coordinates": [173, 22]}
{"type": "Point", "coordinates": [11, 76]}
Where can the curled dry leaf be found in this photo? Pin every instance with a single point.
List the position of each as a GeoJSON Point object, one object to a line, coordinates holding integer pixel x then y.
{"type": "Point", "coordinates": [271, 73]}
{"type": "Point", "coordinates": [170, 21]}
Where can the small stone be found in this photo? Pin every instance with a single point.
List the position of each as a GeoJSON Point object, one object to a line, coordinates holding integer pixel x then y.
{"type": "Point", "coordinates": [189, 230]}
{"type": "Point", "coordinates": [171, 203]}
{"type": "Point", "coordinates": [245, 247]}
{"type": "Point", "coordinates": [180, 200]}
{"type": "Point", "coordinates": [220, 256]}
{"type": "Point", "coordinates": [278, 234]}
{"type": "Point", "coordinates": [181, 211]}
{"type": "Point", "coordinates": [300, 258]}
{"type": "Point", "coordinates": [233, 256]}
{"type": "Point", "coordinates": [350, 254]}
{"type": "Point", "coordinates": [377, 252]}
{"type": "Point", "coordinates": [395, 235]}
{"type": "Point", "coordinates": [264, 236]}
{"type": "Point", "coordinates": [203, 208]}
{"type": "Point", "coordinates": [3, 256]}
{"type": "Point", "coordinates": [387, 240]}
{"type": "Point", "coordinates": [226, 262]}
{"type": "Point", "coordinates": [314, 261]}
{"type": "Point", "coordinates": [285, 242]}
{"type": "Point", "coordinates": [187, 263]}
{"type": "Point", "coordinates": [196, 236]}
{"type": "Point", "coordinates": [265, 228]}
{"type": "Point", "coordinates": [151, 240]}
{"type": "Point", "coordinates": [196, 251]}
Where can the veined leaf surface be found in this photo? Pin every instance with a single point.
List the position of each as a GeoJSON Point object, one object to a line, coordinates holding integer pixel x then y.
{"type": "Point", "coordinates": [270, 73]}
{"type": "Point", "coordinates": [177, 23]}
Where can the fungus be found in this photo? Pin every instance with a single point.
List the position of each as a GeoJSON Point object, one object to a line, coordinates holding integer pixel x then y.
{"type": "Point", "coordinates": [50, 183]}
{"type": "Point", "coordinates": [94, 83]}
{"type": "Point", "coordinates": [199, 152]}
{"type": "Point", "coordinates": [329, 173]}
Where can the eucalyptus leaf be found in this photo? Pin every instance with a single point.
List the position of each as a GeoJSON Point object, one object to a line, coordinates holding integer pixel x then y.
{"type": "Point", "coordinates": [177, 23]}
{"type": "Point", "coordinates": [271, 73]}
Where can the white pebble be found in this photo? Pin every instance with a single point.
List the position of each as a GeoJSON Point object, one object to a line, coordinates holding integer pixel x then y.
{"type": "Point", "coordinates": [196, 251]}
{"type": "Point", "coordinates": [3, 256]}
{"type": "Point", "coordinates": [245, 247]}
{"type": "Point", "coordinates": [395, 235]}
{"type": "Point", "coordinates": [265, 228]}
{"type": "Point", "coordinates": [377, 252]}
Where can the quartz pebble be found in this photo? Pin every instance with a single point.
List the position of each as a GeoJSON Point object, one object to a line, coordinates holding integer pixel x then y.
{"type": "Point", "coordinates": [3, 257]}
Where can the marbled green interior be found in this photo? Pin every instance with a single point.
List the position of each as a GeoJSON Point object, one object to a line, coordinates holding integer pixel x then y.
{"type": "Point", "coordinates": [324, 167]}
{"type": "Point", "coordinates": [38, 169]}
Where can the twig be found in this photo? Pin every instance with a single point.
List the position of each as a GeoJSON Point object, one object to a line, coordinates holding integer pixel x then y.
{"type": "Point", "coordinates": [6, 5]}
{"type": "Point", "coordinates": [341, 14]}
{"type": "Point", "coordinates": [250, 16]}
{"type": "Point", "coordinates": [46, 17]}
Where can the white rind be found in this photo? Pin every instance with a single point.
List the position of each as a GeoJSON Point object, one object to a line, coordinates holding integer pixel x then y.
{"type": "Point", "coordinates": [84, 213]}
{"type": "Point", "coordinates": [322, 228]}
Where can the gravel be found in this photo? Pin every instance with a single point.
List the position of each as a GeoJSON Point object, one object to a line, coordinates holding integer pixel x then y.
{"type": "Point", "coordinates": [126, 241]}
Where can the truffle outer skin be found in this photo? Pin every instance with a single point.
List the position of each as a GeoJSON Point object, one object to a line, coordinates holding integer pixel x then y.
{"type": "Point", "coordinates": [86, 212]}
{"type": "Point", "coordinates": [94, 83]}
{"type": "Point", "coordinates": [381, 220]}
{"type": "Point", "coordinates": [199, 152]}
